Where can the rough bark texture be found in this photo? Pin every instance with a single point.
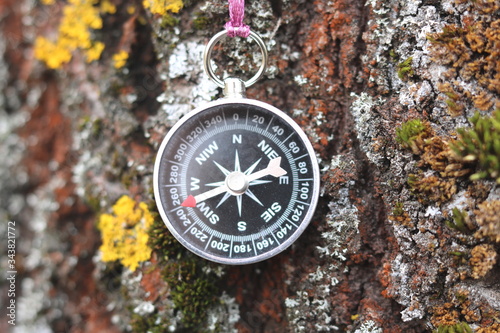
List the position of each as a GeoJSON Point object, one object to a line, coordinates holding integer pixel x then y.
{"type": "Point", "coordinates": [402, 240]}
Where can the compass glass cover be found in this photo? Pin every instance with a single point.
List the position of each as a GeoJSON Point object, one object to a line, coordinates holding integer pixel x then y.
{"type": "Point", "coordinates": [236, 182]}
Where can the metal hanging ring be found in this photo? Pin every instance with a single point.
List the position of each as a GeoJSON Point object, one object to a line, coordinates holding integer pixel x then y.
{"type": "Point", "coordinates": [207, 54]}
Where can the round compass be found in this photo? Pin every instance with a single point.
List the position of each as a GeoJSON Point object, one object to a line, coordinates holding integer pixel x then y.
{"type": "Point", "coordinates": [236, 181]}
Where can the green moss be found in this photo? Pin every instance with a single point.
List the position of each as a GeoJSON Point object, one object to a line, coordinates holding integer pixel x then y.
{"type": "Point", "coordinates": [480, 145]}
{"type": "Point", "coordinates": [162, 242]}
{"type": "Point", "coordinates": [461, 327]}
{"type": "Point", "coordinates": [431, 189]}
{"type": "Point", "coordinates": [193, 287]}
{"type": "Point", "coordinates": [405, 70]}
{"type": "Point", "coordinates": [152, 323]}
{"type": "Point", "coordinates": [201, 22]}
{"type": "Point", "coordinates": [460, 221]}
{"type": "Point", "coordinates": [398, 209]}
{"type": "Point", "coordinates": [410, 131]}
{"type": "Point", "coordinates": [193, 291]}
{"type": "Point", "coordinates": [168, 21]}
{"type": "Point", "coordinates": [94, 202]}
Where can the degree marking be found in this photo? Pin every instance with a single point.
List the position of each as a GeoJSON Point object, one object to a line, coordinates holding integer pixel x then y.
{"type": "Point", "coordinates": [176, 163]}
{"type": "Point", "coordinates": [175, 209]}
{"type": "Point", "coordinates": [301, 202]}
{"type": "Point", "coordinates": [192, 225]}
{"type": "Point", "coordinates": [296, 226]}
{"type": "Point", "coordinates": [254, 247]}
{"type": "Point", "coordinates": [269, 124]}
{"type": "Point", "coordinates": [298, 158]}
{"type": "Point", "coordinates": [183, 140]}
{"type": "Point", "coordinates": [211, 236]}
{"type": "Point", "coordinates": [288, 137]}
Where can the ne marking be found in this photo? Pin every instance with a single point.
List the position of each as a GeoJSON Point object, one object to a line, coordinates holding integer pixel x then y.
{"type": "Point", "coordinates": [301, 202]}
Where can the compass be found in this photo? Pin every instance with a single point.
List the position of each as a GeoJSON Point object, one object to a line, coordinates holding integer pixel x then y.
{"type": "Point", "coordinates": [236, 181]}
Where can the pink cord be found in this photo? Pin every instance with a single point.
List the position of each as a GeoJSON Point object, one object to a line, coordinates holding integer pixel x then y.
{"type": "Point", "coordinates": [236, 27]}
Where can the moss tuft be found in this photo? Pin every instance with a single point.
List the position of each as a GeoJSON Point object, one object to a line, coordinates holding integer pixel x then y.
{"type": "Point", "coordinates": [405, 70]}
{"type": "Point", "coordinates": [483, 258]}
{"type": "Point", "coordinates": [192, 280]}
{"type": "Point", "coordinates": [193, 291]}
{"type": "Point", "coordinates": [487, 217]}
{"type": "Point", "coordinates": [460, 221]}
{"type": "Point", "coordinates": [480, 145]}
{"type": "Point", "coordinates": [460, 327]}
{"type": "Point", "coordinates": [432, 189]}
{"type": "Point", "coordinates": [411, 135]}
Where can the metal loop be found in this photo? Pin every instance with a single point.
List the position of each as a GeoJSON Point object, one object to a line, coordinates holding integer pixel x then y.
{"type": "Point", "coordinates": [208, 54]}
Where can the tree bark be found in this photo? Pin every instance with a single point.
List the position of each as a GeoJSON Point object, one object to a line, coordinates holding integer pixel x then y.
{"type": "Point", "coordinates": [403, 238]}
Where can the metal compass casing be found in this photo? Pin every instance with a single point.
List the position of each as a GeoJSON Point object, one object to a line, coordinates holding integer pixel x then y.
{"type": "Point", "coordinates": [236, 181]}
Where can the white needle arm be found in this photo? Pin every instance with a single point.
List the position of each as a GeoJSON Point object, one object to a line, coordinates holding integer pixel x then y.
{"type": "Point", "coordinates": [273, 169]}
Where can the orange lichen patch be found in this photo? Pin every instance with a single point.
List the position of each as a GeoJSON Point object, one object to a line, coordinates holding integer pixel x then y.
{"type": "Point", "coordinates": [432, 189]}
{"type": "Point", "coordinates": [444, 315]}
{"type": "Point", "coordinates": [401, 216]}
{"type": "Point", "coordinates": [152, 283]}
{"type": "Point", "coordinates": [493, 328]}
{"type": "Point", "coordinates": [331, 48]}
{"type": "Point", "coordinates": [438, 156]}
{"type": "Point", "coordinates": [483, 258]}
{"type": "Point", "coordinates": [487, 217]}
{"type": "Point", "coordinates": [472, 51]}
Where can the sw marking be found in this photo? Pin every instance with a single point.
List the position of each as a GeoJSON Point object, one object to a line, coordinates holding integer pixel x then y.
{"type": "Point", "coordinates": [209, 213]}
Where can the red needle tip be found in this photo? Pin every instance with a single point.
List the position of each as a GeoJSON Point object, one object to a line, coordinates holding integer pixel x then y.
{"type": "Point", "coordinates": [189, 202]}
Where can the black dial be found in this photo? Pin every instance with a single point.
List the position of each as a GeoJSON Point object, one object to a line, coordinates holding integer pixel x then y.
{"type": "Point", "coordinates": [236, 181]}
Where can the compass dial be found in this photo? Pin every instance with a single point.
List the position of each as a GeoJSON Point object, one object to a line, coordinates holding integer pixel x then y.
{"type": "Point", "coordinates": [236, 181]}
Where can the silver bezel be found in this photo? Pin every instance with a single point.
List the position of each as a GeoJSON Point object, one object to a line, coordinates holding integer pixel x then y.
{"type": "Point", "coordinates": [315, 189]}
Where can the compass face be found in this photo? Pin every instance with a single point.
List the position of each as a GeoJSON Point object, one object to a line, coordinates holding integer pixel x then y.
{"type": "Point", "coordinates": [236, 181]}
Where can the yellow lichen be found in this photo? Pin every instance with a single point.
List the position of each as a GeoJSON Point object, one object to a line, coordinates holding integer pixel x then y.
{"type": "Point", "coordinates": [131, 9]}
{"type": "Point", "coordinates": [120, 59]}
{"type": "Point", "coordinates": [79, 18]}
{"type": "Point", "coordinates": [125, 233]}
{"type": "Point", "coordinates": [162, 7]}
{"type": "Point", "coordinates": [48, 2]}
{"type": "Point", "coordinates": [107, 7]}
{"type": "Point", "coordinates": [483, 258]}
